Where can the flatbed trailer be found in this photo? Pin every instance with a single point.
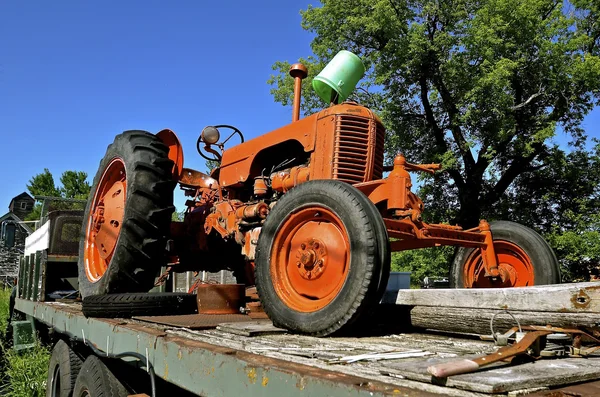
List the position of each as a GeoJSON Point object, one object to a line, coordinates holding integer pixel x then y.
{"type": "Point", "coordinates": [251, 358]}
{"type": "Point", "coordinates": [230, 355]}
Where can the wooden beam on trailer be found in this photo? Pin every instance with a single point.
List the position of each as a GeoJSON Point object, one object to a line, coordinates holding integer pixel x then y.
{"type": "Point", "coordinates": [561, 298]}
{"type": "Point", "coordinates": [470, 310]}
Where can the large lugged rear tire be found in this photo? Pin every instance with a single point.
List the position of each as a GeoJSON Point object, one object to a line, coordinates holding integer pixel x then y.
{"type": "Point", "coordinates": [522, 254]}
{"type": "Point", "coordinates": [127, 217]}
{"type": "Point", "coordinates": [319, 258]}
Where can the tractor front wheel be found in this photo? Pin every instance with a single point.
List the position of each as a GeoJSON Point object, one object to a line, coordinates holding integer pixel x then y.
{"type": "Point", "coordinates": [320, 258]}
{"type": "Point", "coordinates": [127, 217]}
{"type": "Point", "coordinates": [524, 259]}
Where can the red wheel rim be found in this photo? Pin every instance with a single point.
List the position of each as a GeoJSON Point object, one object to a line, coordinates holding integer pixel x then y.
{"type": "Point", "coordinates": [514, 265]}
{"type": "Point", "coordinates": [310, 259]}
{"type": "Point", "coordinates": [105, 220]}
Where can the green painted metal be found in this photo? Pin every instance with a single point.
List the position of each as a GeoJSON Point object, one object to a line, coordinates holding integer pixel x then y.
{"type": "Point", "coordinates": [20, 277]}
{"type": "Point", "coordinates": [23, 335]}
{"type": "Point", "coordinates": [62, 258]}
{"type": "Point", "coordinates": [25, 277]}
{"type": "Point", "coordinates": [36, 275]}
{"type": "Point", "coordinates": [204, 369]}
{"type": "Point", "coordinates": [30, 276]}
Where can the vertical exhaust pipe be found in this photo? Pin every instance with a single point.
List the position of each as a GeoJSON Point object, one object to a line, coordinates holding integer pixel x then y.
{"type": "Point", "coordinates": [298, 71]}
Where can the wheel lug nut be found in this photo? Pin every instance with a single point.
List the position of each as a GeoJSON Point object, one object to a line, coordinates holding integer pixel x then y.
{"type": "Point", "coordinates": [316, 246]}
{"type": "Point", "coordinates": [303, 246]}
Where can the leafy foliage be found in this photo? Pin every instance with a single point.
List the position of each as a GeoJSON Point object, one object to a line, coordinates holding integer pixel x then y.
{"type": "Point", "coordinates": [43, 185]}
{"type": "Point", "coordinates": [21, 375]}
{"type": "Point", "coordinates": [483, 88]}
{"type": "Point", "coordinates": [74, 186]}
{"type": "Point", "coordinates": [427, 262]}
{"type": "Point", "coordinates": [27, 372]}
{"type": "Point", "coordinates": [478, 86]}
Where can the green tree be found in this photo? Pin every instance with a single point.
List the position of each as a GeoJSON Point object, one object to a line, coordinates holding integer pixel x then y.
{"type": "Point", "coordinates": [481, 87]}
{"type": "Point", "coordinates": [43, 185]}
{"type": "Point", "coordinates": [74, 185]}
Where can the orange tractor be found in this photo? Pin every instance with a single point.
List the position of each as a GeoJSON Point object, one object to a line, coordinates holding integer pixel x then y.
{"type": "Point", "coordinates": [303, 212]}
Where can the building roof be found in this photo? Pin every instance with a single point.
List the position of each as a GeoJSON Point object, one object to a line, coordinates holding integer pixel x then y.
{"type": "Point", "coordinates": [11, 216]}
{"type": "Point", "coordinates": [23, 195]}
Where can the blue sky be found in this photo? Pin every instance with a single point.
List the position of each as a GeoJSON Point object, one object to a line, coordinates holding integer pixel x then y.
{"type": "Point", "coordinates": [73, 74]}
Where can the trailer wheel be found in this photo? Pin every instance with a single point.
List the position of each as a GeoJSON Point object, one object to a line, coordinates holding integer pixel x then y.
{"type": "Point", "coordinates": [524, 257]}
{"type": "Point", "coordinates": [319, 258]}
{"type": "Point", "coordinates": [96, 380]}
{"type": "Point", "coordinates": [62, 371]}
{"type": "Point", "coordinates": [139, 304]}
{"type": "Point", "coordinates": [127, 217]}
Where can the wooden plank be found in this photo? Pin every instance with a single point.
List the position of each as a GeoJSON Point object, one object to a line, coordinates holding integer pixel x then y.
{"type": "Point", "coordinates": [251, 328]}
{"type": "Point", "coordinates": [25, 277]}
{"type": "Point", "coordinates": [36, 275]}
{"type": "Point", "coordinates": [563, 298]}
{"type": "Point", "coordinates": [20, 277]}
{"type": "Point", "coordinates": [43, 269]}
{"type": "Point", "coordinates": [30, 276]}
{"type": "Point", "coordinates": [503, 378]}
{"type": "Point", "coordinates": [477, 321]}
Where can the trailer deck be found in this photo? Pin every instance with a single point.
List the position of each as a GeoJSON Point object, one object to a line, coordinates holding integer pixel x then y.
{"type": "Point", "coordinates": [226, 361]}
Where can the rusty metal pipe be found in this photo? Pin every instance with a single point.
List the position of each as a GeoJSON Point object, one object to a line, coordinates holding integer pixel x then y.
{"type": "Point", "coordinates": [298, 71]}
{"type": "Point", "coordinates": [253, 211]}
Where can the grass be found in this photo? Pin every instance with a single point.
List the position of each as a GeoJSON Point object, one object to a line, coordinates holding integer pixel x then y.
{"type": "Point", "coordinates": [21, 374]}
{"type": "Point", "coordinates": [4, 299]}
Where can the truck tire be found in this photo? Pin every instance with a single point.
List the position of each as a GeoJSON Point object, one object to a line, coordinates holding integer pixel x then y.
{"type": "Point", "coordinates": [96, 380]}
{"type": "Point", "coordinates": [127, 217]}
{"type": "Point", "coordinates": [63, 369]}
{"type": "Point", "coordinates": [522, 254]}
{"type": "Point", "coordinates": [318, 260]}
{"type": "Point", "coordinates": [139, 304]}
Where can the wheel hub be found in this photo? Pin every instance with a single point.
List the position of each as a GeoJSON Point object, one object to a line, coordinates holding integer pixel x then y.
{"type": "Point", "coordinates": [311, 259]}
{"type": "Point", "coordinates": [105, 219]}
{"type": "Point", "coordinates": [309, 272]}
{"type": "Point", "coordinates": [514, 268]}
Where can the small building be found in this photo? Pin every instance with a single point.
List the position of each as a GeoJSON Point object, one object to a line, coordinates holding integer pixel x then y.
{"type": "Point", "coordinates": [21, 205]}
{"type": "Point", "coordinates": [13, 232]}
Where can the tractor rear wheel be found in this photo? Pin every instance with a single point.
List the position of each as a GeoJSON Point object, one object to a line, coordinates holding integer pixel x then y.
{"type": "Point", "coordinates": [127, 217]}
{"type": "Point", "coordinates": [524, 258]}
{"type": "Point", "coordinates": [320, 257]}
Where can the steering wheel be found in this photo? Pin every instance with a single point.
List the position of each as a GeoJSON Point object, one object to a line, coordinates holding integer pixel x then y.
{"type": "Point", "coordinates": [210, 136]}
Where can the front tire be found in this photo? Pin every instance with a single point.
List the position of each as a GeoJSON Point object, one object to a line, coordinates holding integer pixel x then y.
{"type": "Point", "coordinates": [319, 258]}
{"type": "Point", "coordinates": [522, 254]}
{"type": "Point", "coordinates": [127, 217]}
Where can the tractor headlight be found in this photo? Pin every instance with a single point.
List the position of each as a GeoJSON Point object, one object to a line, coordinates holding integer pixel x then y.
{"type": "Point", "coordinates": [210, 135]}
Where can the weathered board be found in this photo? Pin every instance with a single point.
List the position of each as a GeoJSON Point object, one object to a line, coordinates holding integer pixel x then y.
{"type": "Point", "coordinates": [251, 328]}
{"type": "Point", "coordinates": [504, 378]}
{"type": "Point", "coordinates": [477, 321]}
{"type": "Point", "coordinates": [560, 298]}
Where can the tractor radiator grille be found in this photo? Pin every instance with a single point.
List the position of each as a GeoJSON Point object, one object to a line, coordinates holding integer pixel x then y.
{"type": "Point", "coordinates": [358, 149]}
